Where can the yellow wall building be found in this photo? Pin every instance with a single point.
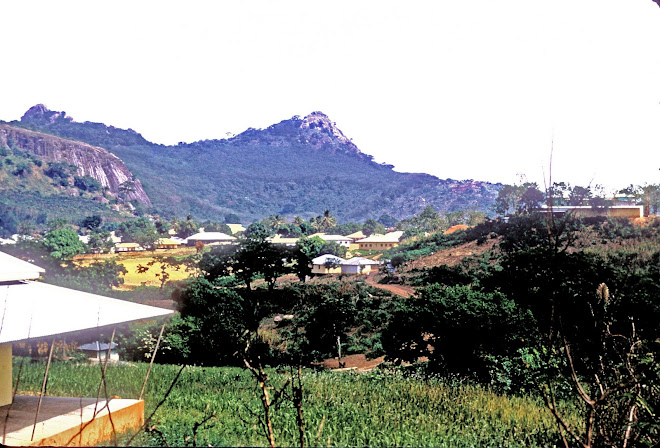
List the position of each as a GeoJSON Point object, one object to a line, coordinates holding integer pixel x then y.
{"type": "Point", "coordinates": [380, 242]}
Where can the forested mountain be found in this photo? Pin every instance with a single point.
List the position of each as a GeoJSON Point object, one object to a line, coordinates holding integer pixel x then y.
{"type": "Point", "coordinates": [300, 166]}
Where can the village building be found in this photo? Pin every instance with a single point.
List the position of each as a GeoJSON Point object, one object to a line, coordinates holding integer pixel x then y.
{"type": "Point", "coordinates": [36, 311]}
{"type": "Point", "coordinates": [587, 211]}
{"type": "Point", "coordinates": [356, 235]}
{"type": "Point", "coordinates": [380, 242]}
{"type": "Point", "coordinates": [210, 238]}
{"type": "Point", "coordinates": [343, 241]}
{"type": "Point", "coordinates": [282, 241]}
{"type": "Point", "coordinates": [181, 241]}
{"type": "Point", "coordinates": [236, 228]}
{"type": "Point", "coordinates": [98, 351]}
{"type": "Point", "coordinates": [358, 265]}
{"type": "Point", "coordinates": [327, 264]}
{"type": "Point", "coordinates": [128, 247]}
{"type": "Point", "coordinates": [166, 243]}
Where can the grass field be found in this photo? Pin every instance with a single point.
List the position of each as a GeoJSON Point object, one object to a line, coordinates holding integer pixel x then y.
{"type": "Point", "coordinates": [131, 261]}
{"type": "Point", "coordinates": [373, 409]}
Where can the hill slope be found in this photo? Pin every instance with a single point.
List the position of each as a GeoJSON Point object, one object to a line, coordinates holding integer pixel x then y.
{"type": "Point", "coordinates": [104, 167]}
{"type": "Point", "coordinates": [299, 166]}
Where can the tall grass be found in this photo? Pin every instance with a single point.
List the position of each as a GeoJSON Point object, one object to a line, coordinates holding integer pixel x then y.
{"type": "Point", "coordinates": [374, 409]}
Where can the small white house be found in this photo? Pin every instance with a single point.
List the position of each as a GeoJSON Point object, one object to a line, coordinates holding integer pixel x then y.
{"type": "Point", "coordinates": [358, 265]}
{"type": "Point", "coordinates": [327, 264]}
{"type": "Point", "coordinates": [98, 351]}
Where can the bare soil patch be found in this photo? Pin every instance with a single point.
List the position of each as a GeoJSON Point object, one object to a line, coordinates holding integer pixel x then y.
{"type": "Point", "coordinates": [357, 362]}
{"type": "Point", "coordinates": [454, 255]}
{"type": "Point", "coordinates": [399, 290]}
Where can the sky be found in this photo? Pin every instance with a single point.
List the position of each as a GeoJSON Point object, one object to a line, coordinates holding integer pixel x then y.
{"type": "Point", "coordinates": [484, 90]}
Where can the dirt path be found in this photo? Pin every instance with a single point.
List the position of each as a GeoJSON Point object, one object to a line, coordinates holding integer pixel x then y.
{"type": "Point", "coordinates": [399, 290]}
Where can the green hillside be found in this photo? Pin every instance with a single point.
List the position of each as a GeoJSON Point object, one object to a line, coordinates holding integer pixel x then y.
{"type": "Point", "coordinates": [299, 166]}
{"type": "Point", "coordinates": [33, 191]}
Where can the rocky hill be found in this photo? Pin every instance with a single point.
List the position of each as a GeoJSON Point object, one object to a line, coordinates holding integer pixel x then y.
{"type": "Point", "coordinates": [91, 161]}
{"type": "Point", "coordinates": [300, 166]}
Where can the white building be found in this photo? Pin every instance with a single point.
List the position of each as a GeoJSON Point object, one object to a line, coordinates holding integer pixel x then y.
{"type": "Point", "coordinates": [358, 265]}
{"type": "Point", "coordinates": [210, 238]}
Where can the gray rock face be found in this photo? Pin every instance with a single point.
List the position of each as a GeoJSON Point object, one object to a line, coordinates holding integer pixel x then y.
{"type": "Point", "coordinates": [92, 161]}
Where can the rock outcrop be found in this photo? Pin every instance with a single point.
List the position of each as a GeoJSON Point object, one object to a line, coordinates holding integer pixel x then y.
{"type": "Point", "coordinates": [91, 161]}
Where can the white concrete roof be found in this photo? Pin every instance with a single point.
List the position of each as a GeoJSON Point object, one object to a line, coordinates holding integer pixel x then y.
{"type": "Point", "coordinates": [12, 269]}
{"type": "Point", "coordinates": [34, 310]}
{"type": "Point", "coordinates": [335, 238]}
{"type": "Point", "coordinates": [359, 261]}
{"type": "Point", "coordinates": [211, 236]}
{"type": "Point", "coordinates": [323, 259]}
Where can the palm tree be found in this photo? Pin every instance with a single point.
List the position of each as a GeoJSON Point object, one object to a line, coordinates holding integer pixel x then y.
{"type": "Point", "coordinates": [324, 222]}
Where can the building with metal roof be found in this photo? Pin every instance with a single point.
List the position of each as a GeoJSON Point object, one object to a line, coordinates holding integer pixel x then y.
{"type": "Point", "coordinates": [327, 264]}
{"type": "Point", "coordinates": [210, 238]}
{"type": "Point", "coordinates": [32, 310]}
{"type": "Point", "coordinates": [358, 265]}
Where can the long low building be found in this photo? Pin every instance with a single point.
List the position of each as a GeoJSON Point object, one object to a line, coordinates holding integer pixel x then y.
{"type": "Point", "coordinates": [587, 211]}
{"type": "Point", "coordinates": [34, 310]}
{"type": "Point", "coordinates": [211, 238]}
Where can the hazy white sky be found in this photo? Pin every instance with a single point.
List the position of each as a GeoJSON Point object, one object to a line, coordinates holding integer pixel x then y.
{"type": "Point", "coordinates": [462, 90]}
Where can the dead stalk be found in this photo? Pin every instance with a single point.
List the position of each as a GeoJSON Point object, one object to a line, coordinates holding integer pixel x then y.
{"type": "Point", "coordinates": [43, 389]}
{"type": "Point", "coordinates": [151, 363]}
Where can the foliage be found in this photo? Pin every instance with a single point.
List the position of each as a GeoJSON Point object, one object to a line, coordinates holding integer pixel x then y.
{"type": "Point", "coordinates": [186, 228]}
{"type": "Point", "coordinates": [461, 324]}
{"type": "Point", "coordinates": [258, 256]}
{"type": "Point", "coordinates": [139, 230]}
{"type": "Point", "coordinates": [87, 183]}
{"type": "Point", "coordinates": [371, 226]}
{"type": "Point", "coordinates": [244, 177]}
{"type": "Point", "coordinates": [518, 199]}
{"type": "Point", "coordinates": [91, 222]}
{"type": "Point", "coordinates": [218, 317]}
{"type": "Point", "coordinates": [372, 409]}
{"type": "Point", "coordinates": [306, 250]}
{"type": "Point", "coordinates": [63, 243]}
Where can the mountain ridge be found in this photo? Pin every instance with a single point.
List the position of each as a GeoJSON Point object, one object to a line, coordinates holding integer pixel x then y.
{"type": "Point", "coordinates": [299, 166]}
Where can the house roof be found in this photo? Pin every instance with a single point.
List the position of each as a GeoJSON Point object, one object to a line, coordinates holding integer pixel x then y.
{"type": "Point", "coordinates": [335, 238]}
{"type": "Point", "coordinates": [14, 269]}
{"type": "Point", "coordinates": [136, 245]}
{"type": "Point", "coordinates": [97, 346]}
{"type": "Point", "coordinates": [392, 237]}
{"type": "Point", "coordinates": [211, 236]}
{"type": "Point", "coordinates": [357, 235]}
{"type": "Point", "coordinates": [278, 239]}
{"type": "Point", "coordinates": [323, 259]}
{"type": "Point", "coordinates": [31, 309]}
{"type": "Point", "coordinates": [236, 228]}
{"type": "Point", "coordinates": [166, 241]}
{"type": "Point", "coordinates": [359, 261]}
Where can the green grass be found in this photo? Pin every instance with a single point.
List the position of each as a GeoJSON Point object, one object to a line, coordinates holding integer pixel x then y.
{"type": "Point", "coordinates": [374, 409]}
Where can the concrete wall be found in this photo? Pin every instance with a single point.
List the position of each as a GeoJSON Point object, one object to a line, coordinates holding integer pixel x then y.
{"type": "Point", "coordinates": [322, 269]}
{"type": "Point", "coordinates": [376, 246]}
{"type": "Point", "coordinates": [6, 391]}
{"type": "Point", "coordinates": [354, 269]}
